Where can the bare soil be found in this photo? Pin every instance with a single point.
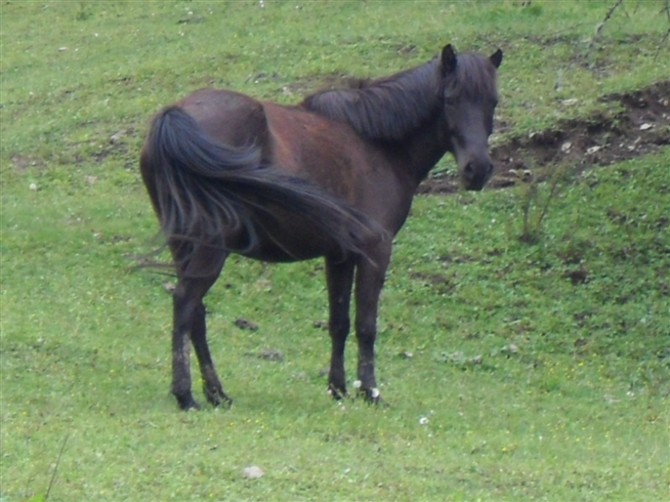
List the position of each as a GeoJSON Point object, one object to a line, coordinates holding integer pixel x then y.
{"type": "Point", "coordinates": [638, 124]}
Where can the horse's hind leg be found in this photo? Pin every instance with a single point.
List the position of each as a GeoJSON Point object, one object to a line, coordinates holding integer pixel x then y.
{"type": "Point", "coordinates": [181, 369]}
{"type": "Point", "coordinates": [339, 276]}
{"type": "Point", "coordinates": [195, 280]}
{"type": "Point", "coordinates": [211, 384]}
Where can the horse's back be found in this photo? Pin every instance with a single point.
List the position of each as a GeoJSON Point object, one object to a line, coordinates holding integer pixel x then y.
{"type": "Point", "coordinates": [229, 117]}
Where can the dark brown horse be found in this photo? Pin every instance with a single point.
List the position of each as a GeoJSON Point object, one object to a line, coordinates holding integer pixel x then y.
{"type": "Point", "coordinates": [332, 177]}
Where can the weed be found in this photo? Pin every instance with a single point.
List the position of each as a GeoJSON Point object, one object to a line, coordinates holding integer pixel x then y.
{"type": "Point", "coordinates": [85, 12]}
{"type": "Point", "coordinates": [535, 200]}
{"type": "Point", "coordinates": [54, 472]}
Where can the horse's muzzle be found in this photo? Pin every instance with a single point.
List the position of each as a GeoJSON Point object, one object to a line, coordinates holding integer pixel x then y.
{"type": "Point", "coordinates": [476, 174]}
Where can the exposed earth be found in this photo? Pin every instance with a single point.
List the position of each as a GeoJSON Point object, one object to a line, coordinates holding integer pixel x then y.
{"type": "Point", "coordinates": [639, 124]}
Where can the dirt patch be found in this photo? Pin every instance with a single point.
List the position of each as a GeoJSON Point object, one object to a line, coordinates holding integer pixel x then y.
{"type": "Point", "coordinates": [639, 125]}
{"type": "Point", "coordinates": [24, 162]}
{"type": "Point", "coordinates": [438, 282]}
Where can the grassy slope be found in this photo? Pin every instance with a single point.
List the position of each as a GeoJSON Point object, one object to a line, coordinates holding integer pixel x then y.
{"type": "Point", "coordinates": [579, 411]}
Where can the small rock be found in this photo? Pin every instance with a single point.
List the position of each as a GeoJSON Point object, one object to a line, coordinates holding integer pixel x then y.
{"type": "Point", "coordinates": [244, 324]}
{"type": "Point", "coordinates": [454, 358]}
{"type": "Point", "coordinates": [570, 102]}
{"type": "Point", "coordinates": [646, 126]}
{"type": "Point", "coordinates": [407, 355]}
{"type": "Point", "coordinates": [565, 147]}
{"type": "Point", "coordinates": [320, 325]}
{"type": "Point", "coordinates": [116, 137]}
{"type": "Point", "coordinates": [593, 149]}
{"type": "Point", "coordinates": [507, 350]}
{"type": "Point", "coordinates": [33, 187]}
{"type": "Point", "coordinates": [271, 355]}
{"type": "Point", "coordinates": [253, 472]}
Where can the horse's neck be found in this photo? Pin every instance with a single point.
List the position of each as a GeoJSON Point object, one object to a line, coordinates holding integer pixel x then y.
{"type": "Point", "coordinates": [423, 149]}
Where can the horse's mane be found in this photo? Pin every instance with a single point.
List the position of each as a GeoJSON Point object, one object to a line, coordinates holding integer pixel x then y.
{"type": "Point", "coordinates": [386, 108]}
{"type": "Point", "coordinates": [391, 107]}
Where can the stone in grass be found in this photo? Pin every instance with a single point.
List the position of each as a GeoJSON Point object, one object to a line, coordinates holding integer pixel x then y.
{"type": "Point", "coordinates": [276, 356]}
{"type": "Point", "coordinates": [253, 472]}
{"type": "Point", "coordinates": [460, 359]}
{"type": "Point", "coordinates": [246, 324]}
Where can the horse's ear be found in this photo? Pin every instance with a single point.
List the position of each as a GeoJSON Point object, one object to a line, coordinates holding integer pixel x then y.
{"type": "Point", "coordinates": [448, 59]}
{"type": "Point", "coordinates": [496, 58]}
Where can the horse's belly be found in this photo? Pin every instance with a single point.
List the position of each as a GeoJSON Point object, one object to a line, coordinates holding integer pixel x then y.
{"type": "Point", "coordinates": [293, 239]}
{"type": "Point", "coordinates": [273, 253]}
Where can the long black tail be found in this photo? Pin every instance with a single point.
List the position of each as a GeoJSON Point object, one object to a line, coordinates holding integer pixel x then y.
{"type": "Point", "coordinates": [202, 190]}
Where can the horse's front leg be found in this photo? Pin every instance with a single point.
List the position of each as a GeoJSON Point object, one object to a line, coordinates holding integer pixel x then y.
{"type": "Point", "coordinates": [369, 283]}
{"type": "Point", "coordinates": [339, 278]}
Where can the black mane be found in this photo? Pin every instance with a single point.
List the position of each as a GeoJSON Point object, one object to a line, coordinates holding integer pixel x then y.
{"type": "Point", "coordinates": [384, 109]}
{"type": "Point", "coordinates": [391, 107]}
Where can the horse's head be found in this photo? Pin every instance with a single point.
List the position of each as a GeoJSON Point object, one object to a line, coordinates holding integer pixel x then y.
{"type": "Point", "coordinates": [470, 97]}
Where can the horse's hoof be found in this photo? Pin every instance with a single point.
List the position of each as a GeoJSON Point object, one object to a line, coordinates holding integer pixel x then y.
{"type": "Point", "coordinates": [371, 395]}
{"type": "Point", "coordinates": [336, 393]}
{"type": "Point", "coordinates": [216, 397]}
{"type": "Point", "coordinates": [187, 404]}
{"type": "Point", "coordinates": [224, 402]}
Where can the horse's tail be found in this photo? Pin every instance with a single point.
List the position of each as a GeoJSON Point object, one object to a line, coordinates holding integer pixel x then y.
{"type": "Point", "coordinates": [203, 190]}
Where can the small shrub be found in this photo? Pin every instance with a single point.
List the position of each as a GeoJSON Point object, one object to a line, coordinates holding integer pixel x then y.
{"type": "Point", "coordinates": [536, 199]}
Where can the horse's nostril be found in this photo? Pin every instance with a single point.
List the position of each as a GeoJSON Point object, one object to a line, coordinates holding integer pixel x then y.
{"type": "Point", "coordinates": [472, 170]}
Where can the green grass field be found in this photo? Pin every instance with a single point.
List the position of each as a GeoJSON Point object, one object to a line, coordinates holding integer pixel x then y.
{"type": "Point", "coordinates": [511, 371]}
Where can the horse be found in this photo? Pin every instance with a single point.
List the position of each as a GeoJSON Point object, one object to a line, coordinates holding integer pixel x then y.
{"type": "Point", "coordinates": [332, 177]}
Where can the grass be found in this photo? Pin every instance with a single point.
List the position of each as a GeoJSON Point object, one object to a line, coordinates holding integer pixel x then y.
{"type": "Point", "coordinates": [511, 371]}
